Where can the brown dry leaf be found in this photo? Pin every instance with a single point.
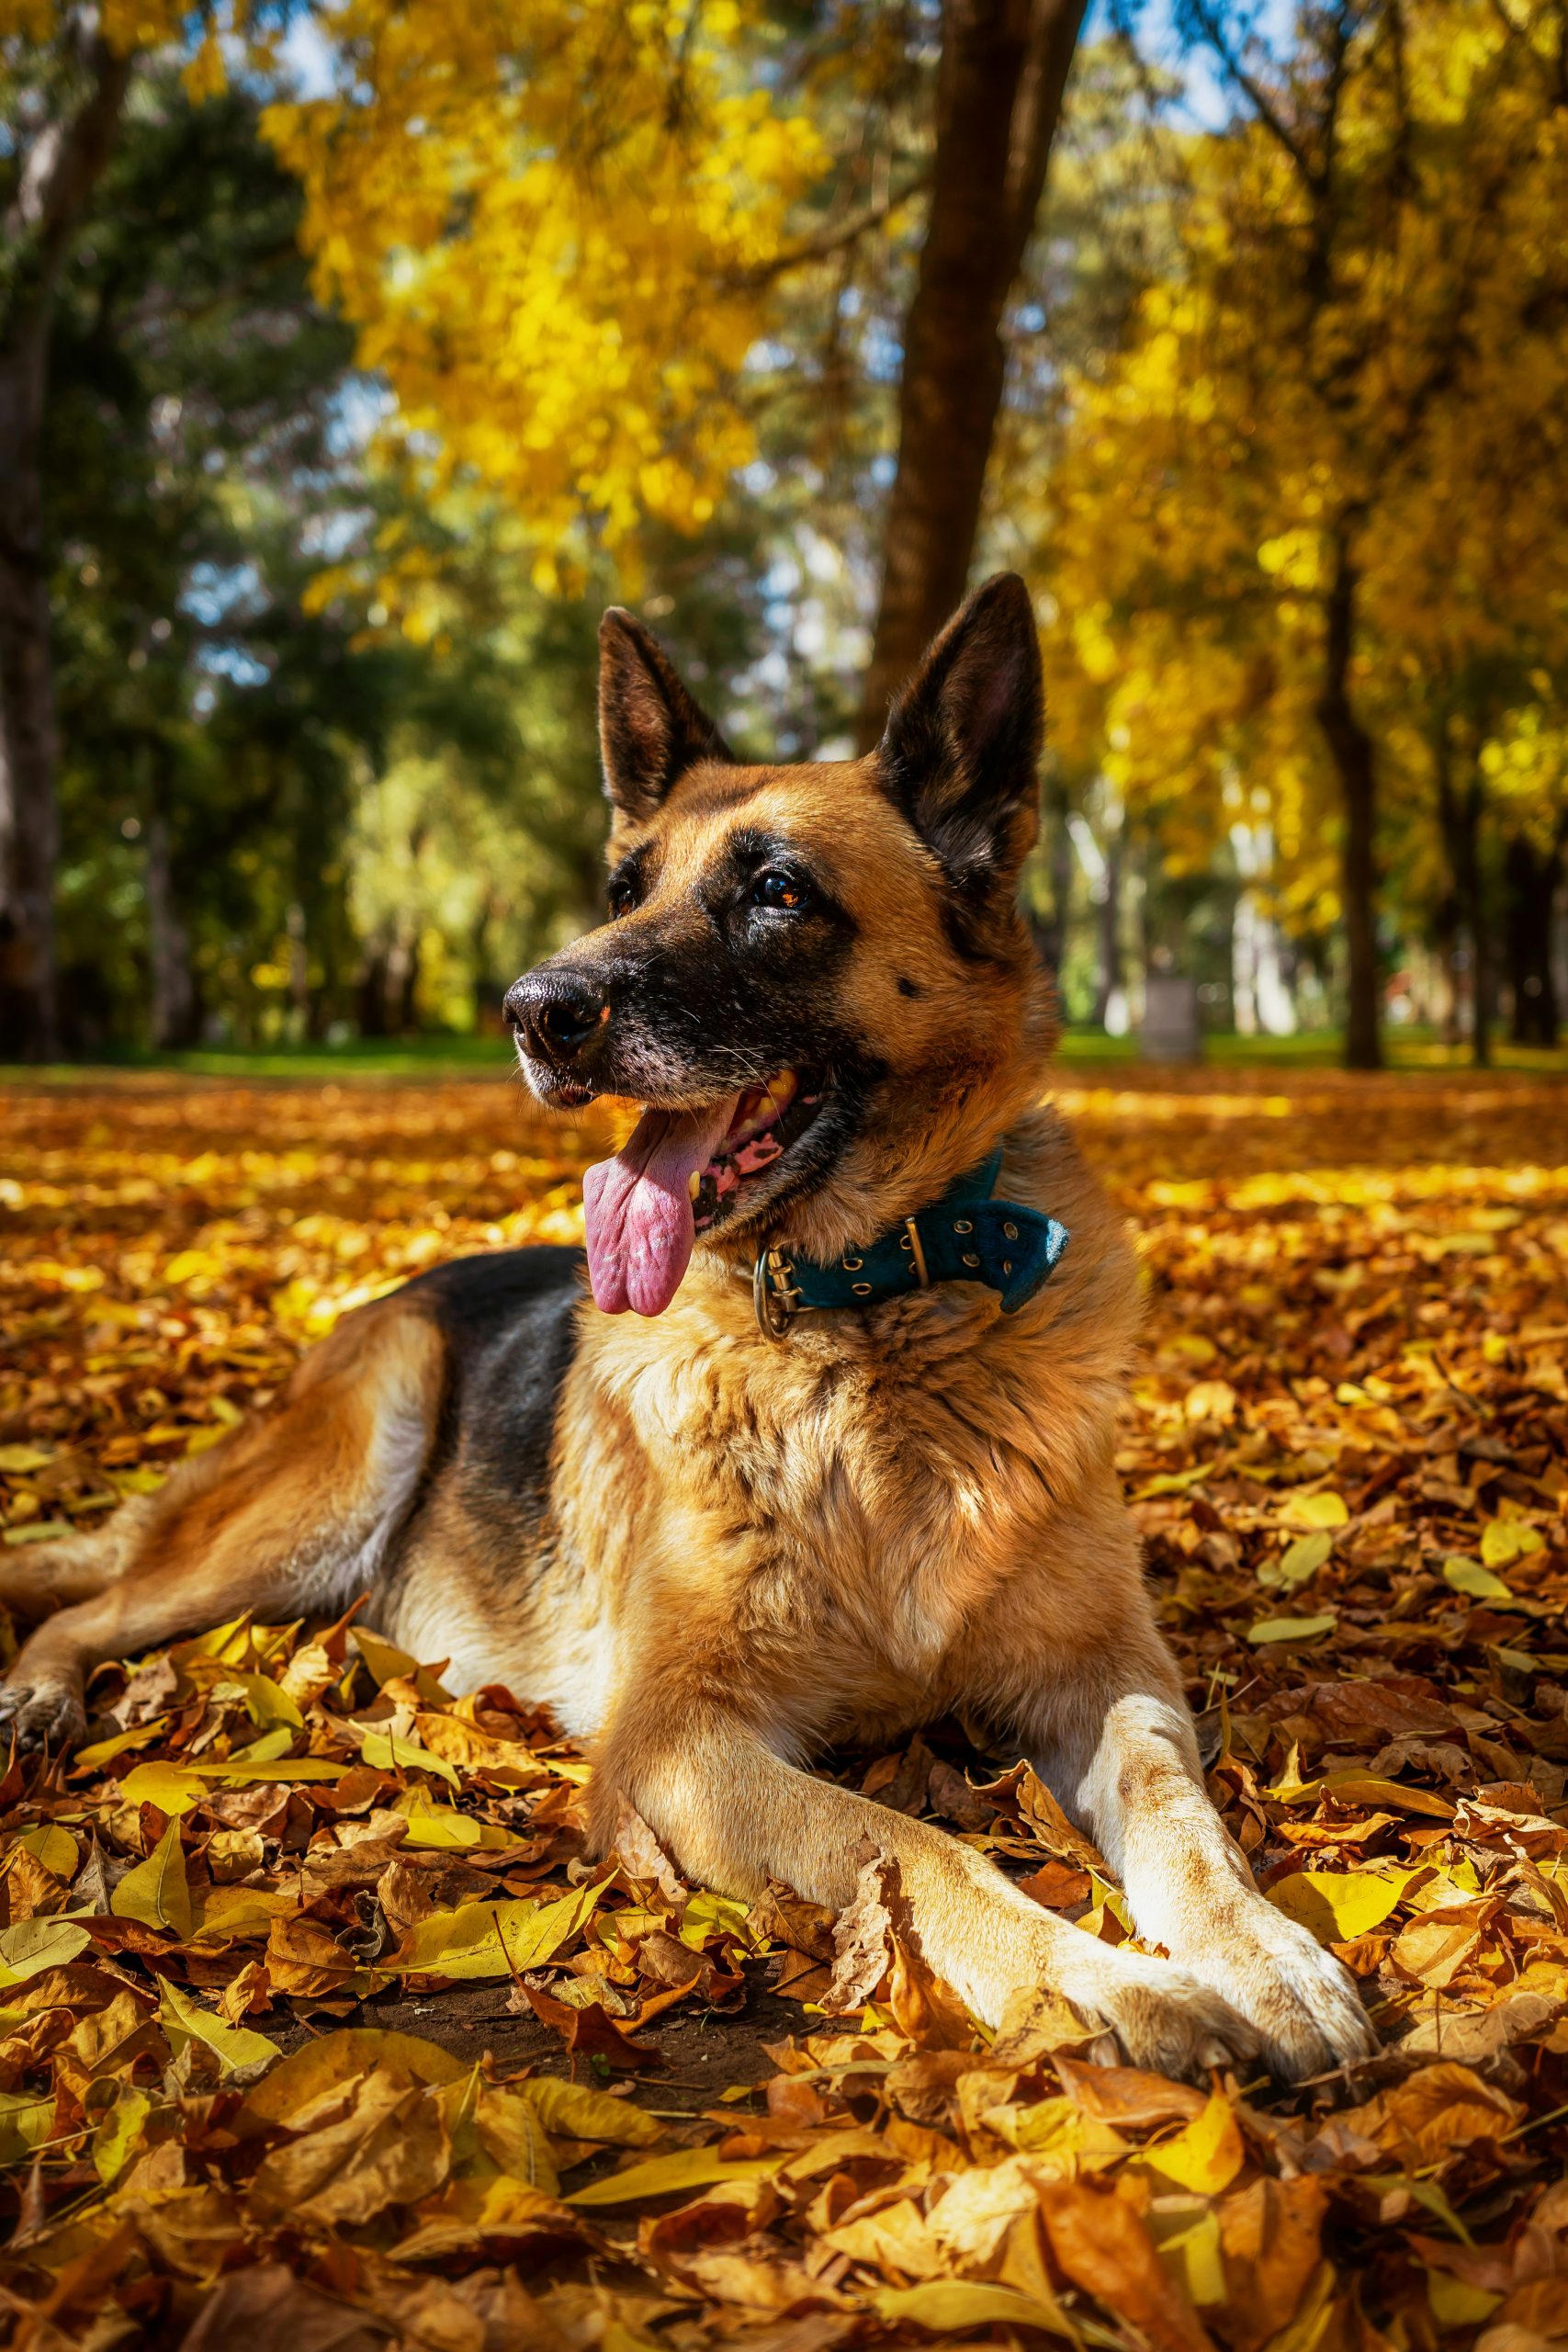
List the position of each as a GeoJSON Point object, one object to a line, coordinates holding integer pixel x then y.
{"type": "Point", "coordinates": [642, 1855]}
{"type": "Point", "coordinates": [1434, 1949]}
{"type": "Point", "coordinates": [266, 2309]}
{"type": "Point", "coordinates": [1427, 2118]}
{"type": "Point", "coordinates": [1101, 2245]}
{"type": "Point", "coordinates": [786, 1917]}
{"type": "Point", "coordinates": [1270, 2242]}
{"type": "Point", "coordinates": [588, 2031]}
{"type": "Point", "coordinates": [862, 1937]}
{"type": "Point", "coordinates": [405, 1896]}
{"type": "Point", "coordinates": [389, 2148]}
{"type": "Point", "coordinates": [303, 1956]}
{"type": "Point", "coordinates": [1126, 2095]}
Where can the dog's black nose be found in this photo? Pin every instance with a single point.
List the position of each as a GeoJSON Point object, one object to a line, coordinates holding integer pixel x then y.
{"type": "Point", "coordinates": [556, 1013]}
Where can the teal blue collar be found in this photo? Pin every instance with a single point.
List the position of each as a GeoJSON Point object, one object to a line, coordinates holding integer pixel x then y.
{"type": "Point", "coordinates": [966, 1237]}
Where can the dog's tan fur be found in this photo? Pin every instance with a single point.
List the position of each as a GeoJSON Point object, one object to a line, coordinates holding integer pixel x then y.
{"type": "Point", "coordinates": [750, 1550]}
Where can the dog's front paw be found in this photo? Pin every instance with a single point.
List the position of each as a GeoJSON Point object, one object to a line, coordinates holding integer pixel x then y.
{"type": "Point", "coordinates": [1301, 2000]}
{"type": "Point", "coordinates": [42, 1714]}
{"type": "Point", "coordinates": [1169, 2021]}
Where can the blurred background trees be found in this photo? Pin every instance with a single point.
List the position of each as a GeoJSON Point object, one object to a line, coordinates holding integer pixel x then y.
{"type": "Point", "coordinates": [352, 357]}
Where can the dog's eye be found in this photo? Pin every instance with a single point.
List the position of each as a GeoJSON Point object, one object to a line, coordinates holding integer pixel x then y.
{"type": "Point", "coordinates": [622, 898]}
{"type": "Point", "coordinates": [781, 891]}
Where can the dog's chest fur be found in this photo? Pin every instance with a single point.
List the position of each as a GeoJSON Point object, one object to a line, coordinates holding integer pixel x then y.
{"type": "Point", "coordinates": [841, 1511]}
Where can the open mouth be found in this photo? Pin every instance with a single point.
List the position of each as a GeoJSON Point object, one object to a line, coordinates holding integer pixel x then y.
{"type": "Point", "coordinates": [682, 1172]}
{"type": "Point", "coordinates": [767, 1120]}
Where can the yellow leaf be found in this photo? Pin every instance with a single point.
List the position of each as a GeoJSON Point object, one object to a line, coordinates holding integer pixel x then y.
{"type": "Point", "coordinates": [175, 1787]}
{"type": "Point", "coordinates": [1205, 2154]}
{"type": "Point", "coordinates": [1456, 2303]}
{"type": "Point", "coordinates": [172, 1788]}
{"type": "Point", "coordinates": [1363, 1788]}
{"type": "Point", "coordinates": [945, 2306]}
{"type": "Point", "coordinates": [389, 1753]}
{"type": "Point", "coordinates": [118, 2133]}
{"type": "Point", "coordinates": [511, 2135]}
{"type": "Point", "coordinates": [1299, 1561]}
{"type": "Point", "coordinates": [386, 1662]}
{"type": "Point", "coordinates": [442, 1825]}
{"type": "Point", "coordinates": [337, 2058]}
{"type": "Point", "coordinates": [36, 1944]}
{"type": "Point", "coordinates": [663, 2175]}
{"type": "Point", "coordinates": [1468, 1576]}
{"type": "Point", "coordinates": [104, 1751]}
{"type": "Point", "coordinates": [1503, 1539]}
{"type": "Point", "coordinates": [53, 1847]}
{"type": "Point", "coordinates": [228, 1914]}
{"type": "Point", "coordinates": [1325, 1510]}
{"type": "Point", "coordinates": [1290, 1629]}
{"type": "Point", "coordinates": [1196, 2257]}
{"type": "Point", "coordinates": [492, 1939]}
{"type": "Point", "coordinates": [573, 2112]}
{"type": "Point", "coordinates": [17, 1460]}
{"type": "Point", "coordinates": [156, 1892]}
{"type": "Point", "coordinates": [25, 2122]}
{"type": "Point", "coordinates": [1174, 1482]}
{"type": "Point", "coordinates": [1339, 1905]}
{"type": "Point", "coordinates": [235, 2045]}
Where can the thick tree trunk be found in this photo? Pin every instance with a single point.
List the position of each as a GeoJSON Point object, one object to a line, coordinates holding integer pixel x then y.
{"type": "Point", "coordinates": [30, 818]}
{"type": "Point", "coordinates": [374, 991]}
{"type": "Point", "coordinates": [56, 171]}
{"type": "Point", "coordinates": [174, 1004]}
{"type": "Point", "coordinates": [1351, 749]}
{"type": "Point", "coordinates": [1530, 880]}
{"type": "Point", "coordinates": [405, 971]}
{"type": "Point", "coordinates": [1000, 83]}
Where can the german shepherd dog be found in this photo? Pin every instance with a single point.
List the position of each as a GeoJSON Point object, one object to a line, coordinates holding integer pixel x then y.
{"type": "Point", "coordinates": [719, 1532]}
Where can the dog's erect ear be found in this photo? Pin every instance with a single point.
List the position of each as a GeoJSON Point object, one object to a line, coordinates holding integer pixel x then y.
{"type": "Point", "coordinates": [650, 727]}
{"type": "Point", "coordinates": [962, 745]}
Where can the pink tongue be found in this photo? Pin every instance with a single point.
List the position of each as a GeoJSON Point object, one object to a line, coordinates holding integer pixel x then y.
{"type": "Point", "coordinates": [640, 1228]}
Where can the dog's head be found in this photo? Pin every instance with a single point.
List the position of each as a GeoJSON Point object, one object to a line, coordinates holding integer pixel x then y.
{"type": "Point", "coordinates": [814, 977]}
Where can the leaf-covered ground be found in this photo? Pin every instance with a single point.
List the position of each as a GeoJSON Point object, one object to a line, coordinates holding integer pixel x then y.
{"type": "Point", "coordinates": [317, 2030]}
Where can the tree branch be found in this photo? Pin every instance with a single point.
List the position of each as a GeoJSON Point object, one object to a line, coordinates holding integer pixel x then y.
{"type": "Point", "coordinates": [836, 236]}
{"type": "Point", "coordinates": [68, 155]}
{"type": "Point", "coordinates": [1253, 91]}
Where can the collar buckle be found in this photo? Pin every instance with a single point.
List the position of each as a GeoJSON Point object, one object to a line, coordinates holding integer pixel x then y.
{"type": "Point", "coordinates": [773, 1295]}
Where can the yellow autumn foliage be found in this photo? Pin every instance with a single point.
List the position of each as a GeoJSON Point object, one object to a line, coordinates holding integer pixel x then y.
{"type": "Point", "coordinates": [1359, 348]}
{"type": "Point", "coordinates": [553, 225]}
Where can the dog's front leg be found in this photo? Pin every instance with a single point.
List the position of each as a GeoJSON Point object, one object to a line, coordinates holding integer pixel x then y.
{"type": "Point", "coordinates": [733, 1813]}
{"type": "Point", "coordinates": [1139, 1786]}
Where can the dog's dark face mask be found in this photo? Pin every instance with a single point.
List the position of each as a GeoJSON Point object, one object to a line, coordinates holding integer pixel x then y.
{"type": "Point", "coordinates": [792, 954]}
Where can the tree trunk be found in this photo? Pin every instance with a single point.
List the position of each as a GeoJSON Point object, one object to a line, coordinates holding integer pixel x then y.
{"type": "Point", "coordinates": [1000, 83]}
{"type": "Point", "coordinates": [55, 173]}
{"type": "Point", "coordinates": [374, 991]}
{"type": "Point", "coordinates": [30, 818]}
{"type": "Point", "coordinates": [1112, 975]}
{"type": "Point", "coordinates": [174, 1005]}
{"type": "Point", "coordinates": [405, 970]}
{"type": "Point", "coordinates": [1351, 749]}
{"type": "Point", "coordinates": [1530, 880]}
{"type": "Point", "coordinates": [1470, 883]}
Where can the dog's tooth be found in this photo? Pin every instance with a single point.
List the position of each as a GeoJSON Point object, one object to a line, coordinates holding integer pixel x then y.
{"type": "Point", "coordinates": [693, 1183]}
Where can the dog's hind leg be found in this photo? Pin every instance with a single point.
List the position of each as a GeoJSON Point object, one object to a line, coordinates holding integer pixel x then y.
{"type": "Point", "coordinates": [291, 1514]}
